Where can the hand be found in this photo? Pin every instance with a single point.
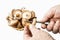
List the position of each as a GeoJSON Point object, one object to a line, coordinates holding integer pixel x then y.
{"type": "Point", "coordinates": [53, 15]}
{"type": "Point", "coordinates": [32, 33]}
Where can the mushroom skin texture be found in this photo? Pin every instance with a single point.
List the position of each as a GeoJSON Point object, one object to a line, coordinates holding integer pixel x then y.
{"type": "Point", "coordinates": [28, 16]}
{"type": "Point", "coordinates": [19, 18]}
{"type": "Point", "coordinates": [14, 19]}
{"type": "Point", "coordinates": [17, 14]}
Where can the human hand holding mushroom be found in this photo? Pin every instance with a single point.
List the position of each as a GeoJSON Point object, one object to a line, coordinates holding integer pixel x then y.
{"type": "Point", "coordinates": [22, 19]}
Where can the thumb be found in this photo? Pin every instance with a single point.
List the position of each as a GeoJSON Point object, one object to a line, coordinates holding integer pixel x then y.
{"type": "Point", "coordinates": [26, 33]}
{"type": "Point", "coordinates": [33, 29]}
{"type": "Point", "coordinates": [47, 16]}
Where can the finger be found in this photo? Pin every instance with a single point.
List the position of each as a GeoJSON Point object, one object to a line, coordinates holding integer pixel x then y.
{"type": "Point", "coordinates": [50, 26]}
{"type": "Point", "coordinates": [33, 29]}
{"type": "Point", "coordinates": [48, 15]}
{"type": "Point", "coordinates": [43, 26]}
{"type": "Point", "coordinates": [56, 27]}
{"type": "Point", "coordinates": [59, 29]}
{"type": "Point", "coordinates": [26, 32]}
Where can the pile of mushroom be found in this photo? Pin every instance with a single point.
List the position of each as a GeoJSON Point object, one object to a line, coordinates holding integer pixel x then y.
{"type": "Point", "coordinates": [19, 18]}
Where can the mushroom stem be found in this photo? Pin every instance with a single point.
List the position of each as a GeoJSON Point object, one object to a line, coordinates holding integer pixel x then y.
{"type": "Point", "coordinates": [41, 22]}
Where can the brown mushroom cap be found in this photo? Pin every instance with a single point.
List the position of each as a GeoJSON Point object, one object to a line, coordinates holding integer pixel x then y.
{"type": "Point", "coordinates": [17, 14]}
{"type": "Point", "coordinates": [13, 22]}
{"type": "Point", "coordinates": [26, 15]}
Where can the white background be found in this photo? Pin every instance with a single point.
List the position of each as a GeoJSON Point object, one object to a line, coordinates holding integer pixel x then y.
{"type": "Point", "coordinates": [39, 6]}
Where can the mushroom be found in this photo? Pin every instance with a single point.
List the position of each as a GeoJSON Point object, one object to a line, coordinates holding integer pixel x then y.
{"type": "Point", "coordinates": [28, 16]}
{"type": "Point", "coordinates": [14, 19]}
{"type": "Point", "coordinates": [17, 14]}
{"type": "Point", "coordinates": [20, 18]}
